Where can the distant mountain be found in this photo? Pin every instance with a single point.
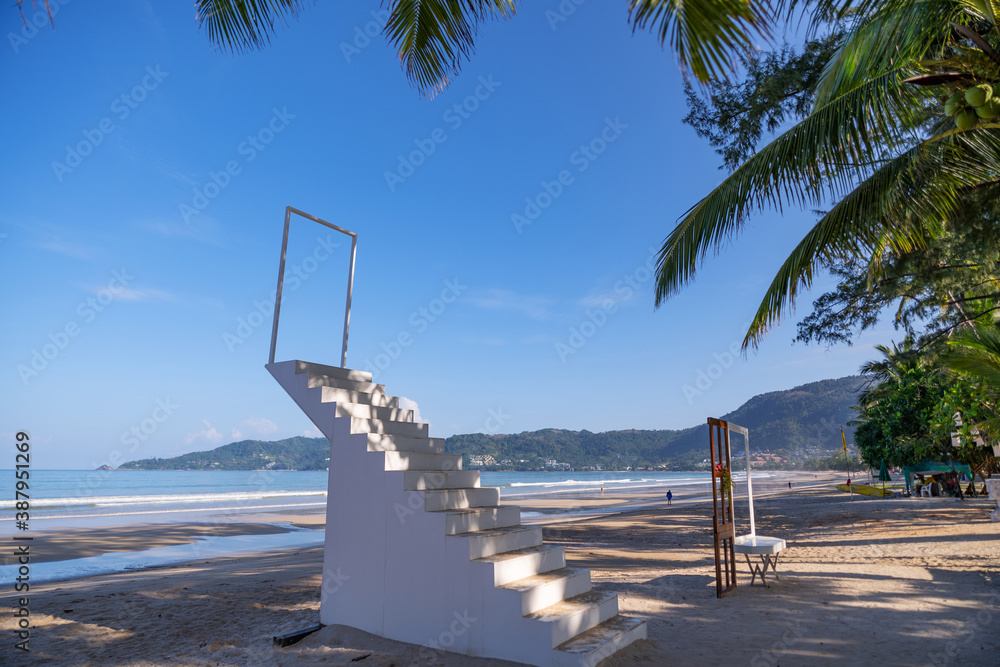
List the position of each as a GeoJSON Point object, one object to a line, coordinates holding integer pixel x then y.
{"type": "Point", "coordinates": [799, 420]}
{"type": "Point", "coordinates": [290, 454]}
{"type": "Point", "coordinates": [806, 418]}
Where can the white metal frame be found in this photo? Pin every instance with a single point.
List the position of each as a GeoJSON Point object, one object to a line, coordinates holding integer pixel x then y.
{"type": "Point", "coordinates": [281, 280]}
{"type": "Point", "coordinates": [746, 436]}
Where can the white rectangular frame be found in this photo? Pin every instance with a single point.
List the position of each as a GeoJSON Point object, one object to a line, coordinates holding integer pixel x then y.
{"type": "Point", "coordinates": [281, 280]}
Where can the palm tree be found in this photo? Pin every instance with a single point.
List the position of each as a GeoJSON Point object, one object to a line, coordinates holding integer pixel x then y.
{"type": "Point", "coordinates": [878, 142]}
{"type": "Point", "coordinates": [976, 353]}
{"type": "Point", "coordinates": [433, 37]}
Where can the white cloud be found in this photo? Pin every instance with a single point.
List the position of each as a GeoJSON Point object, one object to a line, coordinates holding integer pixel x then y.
{"type": "Point", "coordinates": [312, 432]}
{"type": "Point", "coordinates": [128, 294]}
{"type": "Point", "coordinates": [67, 248]}
{"type": "Point", "coordinates": [534, 307]}
{"type": "Point", "coordinates": [409, 404]}
{"type": "Point", "coordinates": [208, 434]}
{"type": "Point", "coordinates": [206, 231]}
{"type": "Point", "coordinates": [255, 426]}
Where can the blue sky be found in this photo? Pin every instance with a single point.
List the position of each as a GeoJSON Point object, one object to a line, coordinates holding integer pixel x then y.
{"type": "Point", "coordinates": [146, 177]}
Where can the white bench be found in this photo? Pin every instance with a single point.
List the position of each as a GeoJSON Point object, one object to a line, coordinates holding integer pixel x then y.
{"type": "Point", "coordinates": [767, 548]}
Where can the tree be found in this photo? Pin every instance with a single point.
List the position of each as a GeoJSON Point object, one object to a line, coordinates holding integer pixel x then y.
{"type": "Point", "coordinates": [879, 143]}
{"type": "Point", "coordinates": [895, 416]}
{"type": "Point", "coordinates": [777, 88]}
{"type": "Point", "coordinates": [934, 290]}
{"type": "Point", "coordinates": [975, 354]}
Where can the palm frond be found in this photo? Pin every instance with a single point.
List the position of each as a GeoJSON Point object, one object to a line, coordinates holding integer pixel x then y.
{"type": "Point", "coordinates": [862, 221]}
{"type": "Point", "coordinates": [977, 353]}
{"type": "Point", "coordinates": [896, 33]}
{"type": "Point", "coordinates": [705, 34]}
{"type": "Point", "coordinates": [899, 208]}
{"type": "Point", "coordinates": [244, 25]}
{"type": "Point", "coordinates": [433, 37]}
{"type": "Point", "coordinates": [829, 151]}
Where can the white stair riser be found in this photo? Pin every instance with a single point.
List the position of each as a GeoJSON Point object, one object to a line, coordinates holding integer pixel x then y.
{"type": "Point", "coordinates": [483, 519]}
{"type": "Point", "coordinates": [332, 371]}
{"type": "Point", "coordinates": [407, 430]}
{"type": "Point", "coordinates": [396, 460]}
{"type": "Point", "coordinates": [378, 442]}
{"type": "Point", "coordinates": [481, 546]}
{"type": "Point", "coordinates": [334, 395]}
{"type": "Point", "coordinates": [567, 627]}
{"type": "Point", "coordinates": [592, 658]}
{"type": "Point", "coordinates": [349, 385]}
{"type": "Point", "coordinates": [453, 499]}
{"type": "Point", "coordinates": [542, 596]}
{"type": "Point", "coordinates": [510, 570]}
{"type": "Point", "coordinates": [362, 411]}
{"type": "Point", "coordinates": [426, 481]}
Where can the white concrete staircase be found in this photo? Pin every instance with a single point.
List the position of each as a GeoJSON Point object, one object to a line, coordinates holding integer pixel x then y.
{"type": "Point", "coordinates": [416, 550]}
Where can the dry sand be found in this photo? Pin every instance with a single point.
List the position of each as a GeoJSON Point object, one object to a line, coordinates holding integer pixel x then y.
{"type": "Point", "coordinates": [879, 582]}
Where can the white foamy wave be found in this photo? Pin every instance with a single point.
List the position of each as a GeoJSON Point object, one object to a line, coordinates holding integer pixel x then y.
{"type": "Point", "coordinates": [111, 501]}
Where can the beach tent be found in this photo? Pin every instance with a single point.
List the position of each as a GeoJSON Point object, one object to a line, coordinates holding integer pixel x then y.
{"type": "Point", "coordinates": [933, 468]}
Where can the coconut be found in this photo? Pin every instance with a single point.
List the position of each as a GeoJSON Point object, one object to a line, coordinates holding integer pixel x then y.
{"type": "Point", "coordinates": [966, 120]}
{"type": "Point", "coordinates": [950, 108]}
{"type": "Point", "coordinates": [990, 110]}
{"type": "Point", "coordinates": [979, 95]}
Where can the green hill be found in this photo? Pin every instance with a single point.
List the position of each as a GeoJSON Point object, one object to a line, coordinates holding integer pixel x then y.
{"type": "Point", "coordinates": [800, 422]}
{"type": "Point", "coordinates": [796, 423]}
{"type": "Point", "coordinates": [290, 454]}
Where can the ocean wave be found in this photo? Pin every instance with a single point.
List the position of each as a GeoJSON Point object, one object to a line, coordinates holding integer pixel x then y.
{"type": "Point", "coordinates": [109, 501]}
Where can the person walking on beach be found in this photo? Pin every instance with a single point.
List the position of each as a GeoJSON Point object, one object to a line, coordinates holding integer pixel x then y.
{"type": "Point", "coordinates": [670, 497]}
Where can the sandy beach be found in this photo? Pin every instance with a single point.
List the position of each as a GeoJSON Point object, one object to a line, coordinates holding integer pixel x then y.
{"type": "Point", "coordinates": [887, 582]}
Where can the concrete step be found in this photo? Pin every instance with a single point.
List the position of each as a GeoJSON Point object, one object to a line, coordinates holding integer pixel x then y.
{"type": "Point", "coordinates": [453, 499]}
{"type": "Point", "coordinates": [427, 481]}
{"type": "Point", "coordinates": [589, 648]}
{"type": "Point", "coordinates": [405, 429]}
{"type": "Point", "coordinates": [481, 518]}
{"type": "Point", "coordinates": [568, 618]}
{"type": "Point", "coordinates": [336, 395]}
{"type": "Point", "coordinates": [541, 590]}
{"type": "Point", "coordinates": [396, 460]}
{"type": "Point", "coordinates": [513, 565]}
{"type": "Point", "coordinates": [485, 543]}
{"type": "Point", "coordinates": [332, 371]}
{"type": "Point", "coordinates": [378, 442]}
{"type": "Point", "coordinates": [362, 411]}
{"type": "Point", "coordinates": [349, 385]}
